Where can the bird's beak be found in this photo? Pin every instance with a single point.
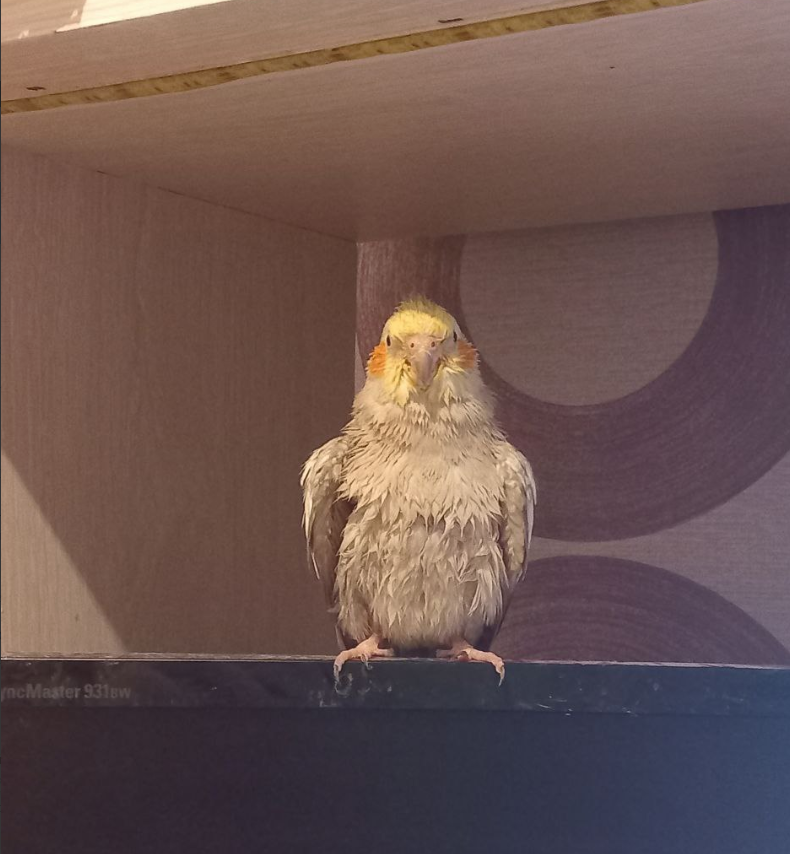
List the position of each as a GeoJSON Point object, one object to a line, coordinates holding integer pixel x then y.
{"type": "Point", "coordinates": [423, 358]}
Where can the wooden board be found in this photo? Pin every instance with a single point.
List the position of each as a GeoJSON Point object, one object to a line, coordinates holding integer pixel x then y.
{"type": "Point", "coordinates": [141, 42]}
{"type": "Point", "coordinates": [675, 110]}
{"type": "Point", "coordinates": [167, 367]}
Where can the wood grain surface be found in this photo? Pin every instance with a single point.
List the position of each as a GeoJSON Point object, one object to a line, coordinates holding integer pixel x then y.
{"type": "Point", "coordinates": [195, 77]}
{"type": "Point", "coordinates": [673, 111]}
{"type": "Point", "coordinates": [205, 36]}
{"type": "Point", "coordinates": [167, 366]}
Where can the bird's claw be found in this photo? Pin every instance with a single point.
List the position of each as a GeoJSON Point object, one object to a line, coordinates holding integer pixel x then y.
{"type": "Point", "coordinates": [363, 652]}
{"type": "Point", "coordinates": [466, 652]}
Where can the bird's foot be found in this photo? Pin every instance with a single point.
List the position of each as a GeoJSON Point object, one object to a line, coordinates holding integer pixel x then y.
{"type": "Point", "coordinates": [464, 651]}
{"type": "Point", "coordinates": [363, 651]}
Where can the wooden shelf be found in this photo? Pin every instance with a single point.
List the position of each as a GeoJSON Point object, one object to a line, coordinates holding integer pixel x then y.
{"type": "Point", "coordinates": [673, 110]}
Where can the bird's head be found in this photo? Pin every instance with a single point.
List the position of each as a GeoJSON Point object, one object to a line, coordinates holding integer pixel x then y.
{"type": "Point", "coordinates": [421, 348]}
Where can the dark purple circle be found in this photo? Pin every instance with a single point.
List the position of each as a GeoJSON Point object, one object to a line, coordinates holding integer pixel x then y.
{"type": "Point", "coordinates": [593, 608]}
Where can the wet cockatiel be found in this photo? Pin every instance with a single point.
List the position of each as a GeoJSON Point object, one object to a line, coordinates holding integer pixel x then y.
{"type": "Point", "coordinates": [418, 516]}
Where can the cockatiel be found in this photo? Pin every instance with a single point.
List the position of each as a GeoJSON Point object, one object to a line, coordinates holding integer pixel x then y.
{"type": "Point", "coordinates": [418, 517]}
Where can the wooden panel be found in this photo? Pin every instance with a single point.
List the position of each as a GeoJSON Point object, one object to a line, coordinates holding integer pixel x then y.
{"type": "Point", "coordinates": [167, 366]}
{"type": "Point", "coordinates": [204, 35]}
{"type": "Point", "coordinates": [671, 111]}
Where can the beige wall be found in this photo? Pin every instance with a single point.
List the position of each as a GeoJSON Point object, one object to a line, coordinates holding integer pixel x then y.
{"type": "Point", "coordinates": [167, 366]}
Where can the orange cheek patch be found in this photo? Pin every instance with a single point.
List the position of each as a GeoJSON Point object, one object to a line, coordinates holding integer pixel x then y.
{"type": "Point", "coordinates": [377, 360]}
{"type": "Point", "coordinates": [467, 355]}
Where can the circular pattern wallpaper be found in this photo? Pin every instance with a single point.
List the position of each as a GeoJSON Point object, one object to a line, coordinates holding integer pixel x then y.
{"type": "Point", "coordinates": [703, 430]}
{"type": "Point", "coordinates": [624, 300]}
{"type": "Point", "coordinates": [644, 369]}
{"type": "Point", "coordinates": [591, 608]}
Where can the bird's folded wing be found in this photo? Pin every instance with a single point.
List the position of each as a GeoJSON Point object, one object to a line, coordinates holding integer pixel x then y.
{"type": "Point", "coordinates": [325, 511]}
{"type": "Point", "coordinates": [517, 513]}
{"type": "Point", "coordinates": [518, 510]}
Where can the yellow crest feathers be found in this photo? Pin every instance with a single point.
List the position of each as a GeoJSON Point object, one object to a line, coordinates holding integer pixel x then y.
{"type": "Point", "coordinates": [419, 315]}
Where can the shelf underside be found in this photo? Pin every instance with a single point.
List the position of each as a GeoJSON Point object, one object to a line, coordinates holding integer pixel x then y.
{"type": "Point", "coordinates": [674, 110]}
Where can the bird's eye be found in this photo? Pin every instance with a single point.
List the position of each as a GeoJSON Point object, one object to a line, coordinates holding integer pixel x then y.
{"type": "Point", "coordinates": [389, 341]}
{"type": "Point", "coordinates": [455, 336]}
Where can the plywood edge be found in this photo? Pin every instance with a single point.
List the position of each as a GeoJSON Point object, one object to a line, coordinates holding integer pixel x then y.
{"type": "Point", "coordinates": [190, 81]}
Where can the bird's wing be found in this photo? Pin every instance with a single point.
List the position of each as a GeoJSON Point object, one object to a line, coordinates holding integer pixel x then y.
{"type": "Point", "coordinates": [325, 511]}
{"type": "Point", "coordinates": [519, 496]}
